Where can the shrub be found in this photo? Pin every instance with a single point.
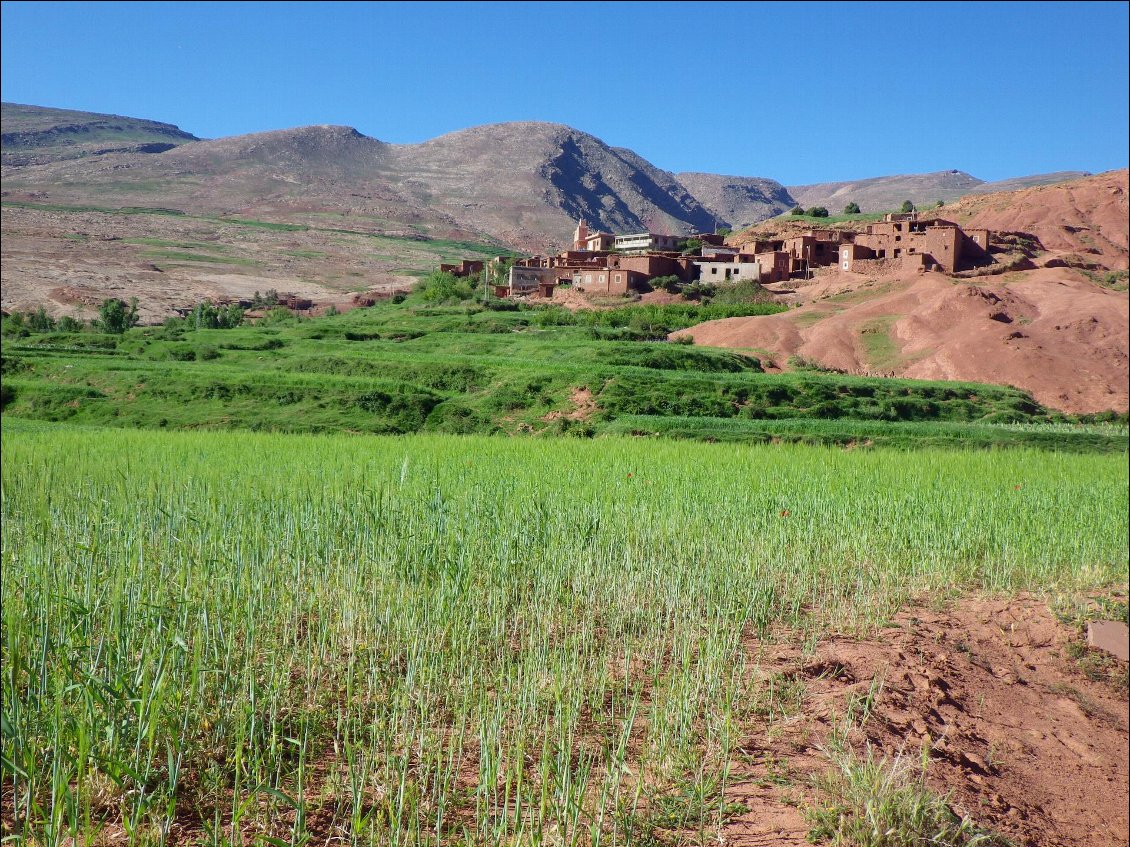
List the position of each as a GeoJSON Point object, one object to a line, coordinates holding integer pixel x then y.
{"type": "Point", "coordinates": [852, 208]}
{"type": "Point", "coordinates": [906, 206]}
{"type": "Point", "coordinates": [816, 212]}
{"type": "Point", "coordinates": [70, 324]}
{"type": "Point", "coordinates": [116, 316]}
{"type": "Point", "coordinates": [440, 287]}
{"type": "Point", "coordinates": [40, 321]}
{"type": "Point", "coordinates": [796, 210]}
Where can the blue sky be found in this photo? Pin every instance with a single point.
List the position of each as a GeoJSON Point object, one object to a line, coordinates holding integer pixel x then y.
{"type": "Point", "coordinates": [799, 92]}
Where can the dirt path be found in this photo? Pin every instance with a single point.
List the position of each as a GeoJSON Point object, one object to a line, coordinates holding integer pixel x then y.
{"type": "Point", "coordinates": [1026, 739]}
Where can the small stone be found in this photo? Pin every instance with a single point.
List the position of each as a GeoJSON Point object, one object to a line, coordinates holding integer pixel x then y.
{"type": "Point", "coordinates": [1110, 636]}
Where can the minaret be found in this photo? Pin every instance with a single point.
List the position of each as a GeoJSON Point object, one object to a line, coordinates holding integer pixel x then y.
{"type": "Point", "coordinates": [581, 236]}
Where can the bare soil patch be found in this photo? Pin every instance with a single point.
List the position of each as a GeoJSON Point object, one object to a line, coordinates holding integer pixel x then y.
{"type": "Point", "coordinates": [584, 407]}
{"type": "Point", "coordinates": [1018, 736]}
{"type": "Point", "coordinates": [1049, 331]}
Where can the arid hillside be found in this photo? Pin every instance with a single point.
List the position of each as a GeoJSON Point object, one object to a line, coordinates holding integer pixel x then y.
{"type": "Point", "coordinates": [522, 184]}
{"type": "Point", "coordinates": [1058, 330]}
{"type": "Point", "coordinates": [1083, 221]}
{"type": "Point", "coordinates": [739, 200]}
{"type": "Point", "coordinates": [1051, 332]}
{"type": "Point", "coordinates": [36, 135]}
{"type": "Point", "coordinates": [883, 193]}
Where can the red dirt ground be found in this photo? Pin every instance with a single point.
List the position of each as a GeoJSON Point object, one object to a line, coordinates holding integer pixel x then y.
{"type": "Point", "coordinates": [1086, 217]}
{"type": "Point", "coordinates": [1050, 331]}
{"type": "Point", "coordinates": [1022, 740]}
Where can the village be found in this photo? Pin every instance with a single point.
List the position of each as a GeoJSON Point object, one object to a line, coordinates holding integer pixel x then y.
{"type": "Point", "coordinates": [603, 263]}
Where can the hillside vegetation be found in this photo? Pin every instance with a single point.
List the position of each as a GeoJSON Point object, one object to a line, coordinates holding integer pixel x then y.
{"type": "Point", "coordinates": [493, 367]}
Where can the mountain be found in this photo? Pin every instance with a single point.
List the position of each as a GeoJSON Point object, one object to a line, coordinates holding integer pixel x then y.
{"type": "Point", "coordinates": [886, 192]}
{"type": "Point", "coordinates": [37, 135]}
{"type": "Point", "coordinates": [738, 201]}
{"type": "Point", "coordinates": [102, 205]}
{"type": "Point", "coordinates": [883, 193]}
{"type": "Point", "coordinates": [1017, 183]}
{"type": "Point", "coordinates": [522, 184]}
{"type": "Point", "coordinates": [527, 183]}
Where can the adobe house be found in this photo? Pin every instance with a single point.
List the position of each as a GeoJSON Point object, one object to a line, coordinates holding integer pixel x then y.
{"type": "Point", "coordinates": [651, 265]}
{"type": "Point", "coordinates": [926, 243]}
{"type": "Point", "coordinates": [584, 241]}
{"type": "Point", "coordinates": [813, 249]}
{"type": "Point", "coordinates": [467, 267]}
{"type": "Point", "coordinates": [528, 280]}
{"type": "Point", "coordinates": [774, 264]}
{"type": "Point", "coordinates": [607, 280]}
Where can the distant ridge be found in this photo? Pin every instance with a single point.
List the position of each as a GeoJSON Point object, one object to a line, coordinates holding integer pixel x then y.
{"type": "Point", "coordinates": [37, 135]}
{"type": "Point", "coordinates": [520, 184]}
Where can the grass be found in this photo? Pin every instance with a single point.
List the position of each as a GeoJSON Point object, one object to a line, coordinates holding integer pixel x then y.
{"type": "Point", "coordinates": [442, 640]}
{"type": "Point", "coordinates": [500, 368]}
{"type": "Point", "coordinates": [880, 349]}
{"type": "Point", "coordinates": [172, 256]}
{"type": "Point", "coordinates": [863, 217]}
{"type": "Point", "coordinates": [865, 801]}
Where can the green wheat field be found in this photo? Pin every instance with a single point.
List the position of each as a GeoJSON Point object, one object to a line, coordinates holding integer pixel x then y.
{"type": "Point", "coordinates": [444, 639]}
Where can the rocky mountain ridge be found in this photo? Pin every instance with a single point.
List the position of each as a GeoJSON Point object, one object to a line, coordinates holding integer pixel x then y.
{"type": "Point", "coordinates": [520, 184]}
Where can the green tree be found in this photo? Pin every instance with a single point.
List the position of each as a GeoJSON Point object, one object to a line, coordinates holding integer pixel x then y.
{"type": "Point", "coordinates": [40, 321]}
{"type": "Point", "coordinates": [907, 206]}
{"type": "Point", "coordinates": [116, 315]}
{"type": "Point", "coordinates": [69, 324]}
{"type": "Point", "coordinates": [939, 204]}
{"type": "Point", "coordinates": [796, 210]}
{"type": "Point", "coordinates": [14, 325]}
{"type": "Point", "coordinates": [438, 287]}
{"type": "Point", "coordinates": [851, 208]}
{"type": "Point", "coordinates": [816, 212]}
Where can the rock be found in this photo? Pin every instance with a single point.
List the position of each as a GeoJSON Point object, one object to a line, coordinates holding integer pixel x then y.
{"type": "Point", "coordinates": [1110, 636]}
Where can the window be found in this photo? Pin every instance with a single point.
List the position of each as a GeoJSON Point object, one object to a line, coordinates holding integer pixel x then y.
{"type": "Point", "coordinates": [846, 263]}
{"type": "Point", "coordinates": [737, 271]}
{"type": "Point", "coordinates": [714, 270]}
{"type": "Point", "coordinates": [617, 277]}
{"type": "Point", "coordinates": [588, 278]}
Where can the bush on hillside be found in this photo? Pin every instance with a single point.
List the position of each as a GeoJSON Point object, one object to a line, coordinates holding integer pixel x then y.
{"type": "Point", "coordinates": [440, 287]}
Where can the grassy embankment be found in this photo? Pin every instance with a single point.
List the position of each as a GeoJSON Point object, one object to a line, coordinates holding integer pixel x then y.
{"type": "Point", "coordinates": [436, 639]}
{"type": "Point", "coordinates": [470, 368]}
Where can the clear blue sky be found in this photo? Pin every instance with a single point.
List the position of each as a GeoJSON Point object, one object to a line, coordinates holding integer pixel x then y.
{"type": "Point", "coordinates": [799, 92]}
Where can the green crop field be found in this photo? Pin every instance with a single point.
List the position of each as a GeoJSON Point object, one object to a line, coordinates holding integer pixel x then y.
{"type": "Point", "coordinates": [497, 368]}
{"type": "Point", "coordinates": [220, 637]}
{"type": "Point", "coordinates": [291, 584]}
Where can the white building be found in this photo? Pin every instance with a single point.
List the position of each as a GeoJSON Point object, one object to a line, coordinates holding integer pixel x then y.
{"type": "Point", "coordinates": [645, 241]}
{"type": "Point", "coordinates": [728, 271]}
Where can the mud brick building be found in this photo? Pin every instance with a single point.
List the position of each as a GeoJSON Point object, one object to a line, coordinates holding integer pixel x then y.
{"type": "Point", "coordinates": [467, 267]}
{"type": "Point", "coordinates": [922, 243]}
